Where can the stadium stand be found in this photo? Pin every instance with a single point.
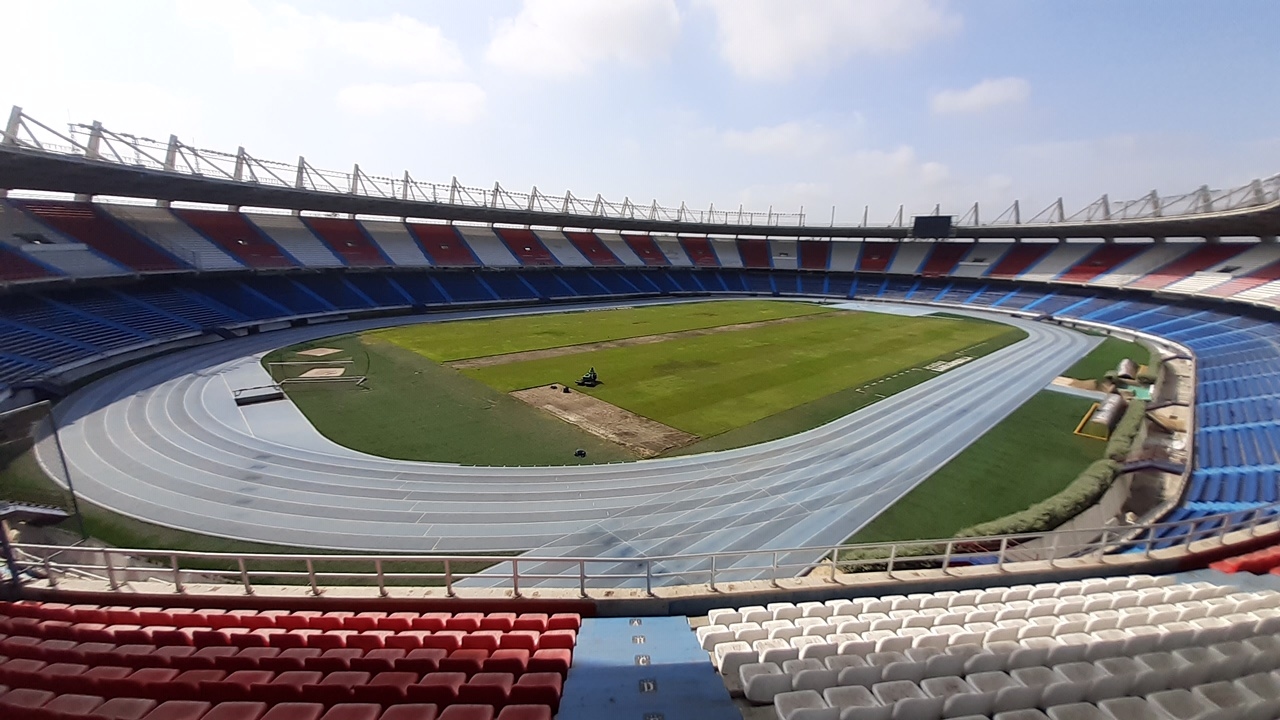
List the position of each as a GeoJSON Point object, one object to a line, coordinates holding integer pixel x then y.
{"type": "Point", "coordinates": [1100, 260]}
{"type": "Point", "coordinates": [755, 254]}
{"type": "Point", "coordinates": [296, 239]}
{"type": "Point", "coordinates": [491, 250]}
{"type": "Point", "coordinates": [784, 253]}
{"type": "Point", "coordinates": [396, 242]}
{"type": "Point", "coordinates": [699, 251]}
{"type": "Point", "coordinates": [524, 245]}
{"type": "Point", "coordinates": [814, 255]}
{"type": "Point", "coordinates": [444, 245]}
{"type": "Point", "coordinates": [876, 256]}
{"type": "Point", "coordinates": [87, 223]}
{"type": "Point", "coordinates": [15, 266]}
{"type": "Point", "coordinates": [345, 238]}
{"type": "Point", "coordinates": [565, 252]}
{"type": "Point", "coordinates": [170, 233]}
{"type": "Point", "coordinates": [943, 259]}
{"type": "Point", "coordinates": [1020, 258]}
{"type": "Point", "coordinates": [233, 232]}
{"type": "Point", "coordinates": [646, 250]}
{"type": "Point", "coordinates": [592, 248]}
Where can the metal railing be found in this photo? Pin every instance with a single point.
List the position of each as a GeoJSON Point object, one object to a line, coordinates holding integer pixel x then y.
{"type": "Point", "coordinates": [1006, 554]}
{"type": "Point", "coordinates": [96, 142]}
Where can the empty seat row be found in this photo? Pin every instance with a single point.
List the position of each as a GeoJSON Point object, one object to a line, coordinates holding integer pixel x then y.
{"type": "Point", "coordinates": [386, 688]}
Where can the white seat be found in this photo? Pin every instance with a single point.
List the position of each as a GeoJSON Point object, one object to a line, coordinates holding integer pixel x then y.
{"type": "Point", "coordinates": [935, 639]}
{"type": "Point", "coordinates": [1236, 657]}
{"type": "Point", "coordinates": [1266, 686]}
{"type": "Point", "coordinates": [1159, 671]}
{"type": "Point", "coordinates": [1133, 617]}
{"type": "Point", "coordinates": [1266, 653]}
{"type": "Point", "coordinates": [908, 700]}
{"type": "Point", "coordinates": [1243, 625]}
{"type": "Point", "coordinates": [732, 655]}
{"type": "Point", "coordinates": [711, 635]}
{"type": "Point", "coordinates": [723, 616]}
{"type": "Point", "coordinates": [782, 629]}
{"type": "Point", "coordinates": [951, 617]}
{"type": "Point", "coordinates": [881, 659]}
{"type": "Point", "coordinates": [964, 598]}
{"type": "Point", "coordinates": [748, 632]}
{"type": "Point", "coordinates": [1076, 711]}
{"type": "Point", "coordinates": [895, 643]}
{"type": "Point", "coordinates": [958, 696]}
{"type": "Point", "coordinates": [775, 650]}
{"type": "Point", "coordinates": [1176, 634]}
{"type": "Point", "coordinates": [1201, 665]}
{"type": "Point", "coordinates": [1061, 689]}
{"type": "Point", "coordinates": [856, 625]}
{"type": "Point", "coordinates": [843, 606]}
{"type": "Point", "coordinates": [803, 705]}
{"type": "Point", "coordinates": [755, 614]}
{"type": "Point", "coordinates": [966, 638]}
{"type": "Point", "coordinates": [1106, 643]}
{"type": "Point", "coordinates": [1066, 627]}
{"type": "Point", "coordinates": [814, 679]}
{"type": "Point", "coordinates": [919, 621]}
{"type": "Point", "coordinates": [784, 611]}
{"type": "Point", "coordinates": [943, 665]}
{"type": "Point", "coordinates": [1095, 682]}
{"type": "Point", "coordinates": [1125, 669]}
{"type": "Point", "coordinates": [887, 623]}
{"type": "Point", "coordinates": [876, 605]}
{"type": "Point", "coordinates": [904, 670]}
{"type": "Point", "coordinates": [762, 681]}
{"type": "Point", "coordinates": [815, 609]}
{"type": "Point", "coordinates": [819, 650]}
{"type": "Point", "coordinates": [1035, 630]}
{"type": "Point", "coordinates": [820, 629]}
{"type": "Point", "coordinates": [1102, 620]}
{"type": "Point", "coordinates": [1018, 593]}
{"type": "Point", "coordinates": [1001, 633]}
{"type": "Point", "coordinates": [1034, 651]}
{"type": "Point", "coordinates": [856, 647]}
{"type": "Point", "coordinates": [975, 615]}
{"type": "Point", "coordinates": [1141, 639]}
{"type": "Point", "coordinates": [1181, 704]}
{"type": "Point", "coordinates": [804, 622]}
{"type": "Point", "coordinates": [1009, 694]}
{"type": "Point", "coordinates": [1210, 630]}
{"type": "Point", "coordinates": [1235, 701]}
{"type": "Point", "coordinates": [865, 675]}
{"type": "Point", "coordinates": [794, 667]}
{"type": "Point", "coordinates": [1040, 678]}
{"type": "Point", "coordinates": [1130, 708]}
{"type": "Point", "coordinates": [856, 703]}
{"type": "Point", "coordinates": [1023, 714]}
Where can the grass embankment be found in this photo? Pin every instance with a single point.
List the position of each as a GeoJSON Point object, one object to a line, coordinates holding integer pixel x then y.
{"type": "Point", "coordinates": [1105, 357]}
{"type": "Point", "coordinates": [710, 384]}
{"type": "Point", "coordinates": [1027, 457]}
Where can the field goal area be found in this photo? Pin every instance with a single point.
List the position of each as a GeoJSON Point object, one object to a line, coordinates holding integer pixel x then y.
{"type": "Point", "coordinates": [316, 372]}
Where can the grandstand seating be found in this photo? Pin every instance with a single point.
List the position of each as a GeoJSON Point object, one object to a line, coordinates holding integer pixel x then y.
{"type": "Point", "coordinates": [16, 266]}
{"type": "Point", "coordinates": [345, 238]}
{"type": "Point", "coordinates": [876, 256]}
{"type": "Point", "coordinates": [565, 252]}
{"type": "Point", "coordinates": [233, 232]}
{"type": "Point", "coordinates": [1124, 642]}
{"type": "Point", "coordinates": [1102, 259]}
{"type": "Point", "coordinates": [699, 251]}
{"type": "Point", "coordinates": [814, 255]}
{"type": "Point", "coordinates": [1200, 257]}
{"type": "Point", "coordinates": [443, 245]}
{"type": "Point", "coordinates": [1020, 258]}
{"type": "Point", "coordinates": [526, 247]}
{"type": "Point", "coordinates": [644, 248]}
{"type": "Point", "coordinates": [944, 258]}
{"type": "Point", "coordinates": [87, 223]}
{"type": "Point", "coordinates": [755, 254]}
{"type": "Point", "coordinates": [63, 662]}
{"type": "Point", "coordinates": [295, 239]}
{"type": "Point", "coordinates": [167, 231]}
{"type": "Point", "coordinates": [592, 248]}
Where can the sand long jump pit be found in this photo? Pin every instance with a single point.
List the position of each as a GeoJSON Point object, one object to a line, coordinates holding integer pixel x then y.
{"type": "Point", "coordinates": [642, 436]}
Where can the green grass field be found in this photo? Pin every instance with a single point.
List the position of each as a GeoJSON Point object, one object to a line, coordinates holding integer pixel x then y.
{"type": "Point", "coordinates": [730, 388]}
{"type": "Point", "coordinates": [996, 475]}
{"type": "Point", "coordinates": [710, 384]}
{"type": "Point", "coordinates": [1105, 357]}
{"type": "Point", "coordinates": [449, 341]}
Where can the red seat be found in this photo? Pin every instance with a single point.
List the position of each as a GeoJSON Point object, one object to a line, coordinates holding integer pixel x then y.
{"type": "Point", "coordinates": [124, 708]}
{"type": "Point", "coordinates": [297, 620]}
{"type": "Point", "coordinates": [483, 640]}
{"type": "Point", "coordinates": [94, 677]}
{"type": "Point", "coordinates": [445, 640]}
{"type": "Point", "coordinates": [130, 634]}
{"type": "Point", "coordinates": [335, 687]}
{"type": "Point", "coordinates": [386, 688]}
{"type": "Point", "coordinates": [512, 661]}
{"type": "Point", "coordinates": [329, 639]}
{"type": "Point", "coordinates": [61, 677]}
{"type": "Point", "coordinates": [20, 699]}
{"type": "Point", "coordinates": [156, 617]}
{"type": "Point", "coordinates": [247, 658]}
{"type": "Point", "coordinates": [139, 656]}
{"type": "Point", "coordinates": [57, 629]}
{"type": "Point", "coordinates": [564, 621]}
{"type": "Point", "coordinates": [187, 684]}
{"type": "Point", "coordinates": [415, 711]}
{"type": "Point", "coordinates": [295, 711]}
{"type": "Point", "coordinates": [236, 686]}
{"type": "Point", "coordinates": [335, 660]}
{"type": "Point", "coordinates": [353, 711]}
{"type": "Point", "coordinates": [70, 706]}
{"type": "Point", "coordinates": [376, 661]}
{"type": "Point", "coordinates": [210, 637]}
{"type": "Point", "coordinates": [331, 620]}
{"type": "Point", "coordinates": [525, 712]}
{"type": "Point", "coordinates": [173, 656]}
{"type": "Point", "coordinates": [237, 711]}
{"type": "Point", "coordinates": [520, 640]}
{"type": "Point", "coordinates": [364, 621]}
{"type": "Point", "coordinates": [532, 621]}
{"type": "Point", "coordinates": [252, 619]}
{"type": "Point", "coordinates": [467, 661]}
{"type": "Point", "coordinates": [91, 632]}
{"type": "Point", "coordinates": [503, 621]}
{"type": "Point", "coordinates": [556, 660]}
{"type": "Point", "coordinates": [538, 689]}
{"type": "Point", "coordinates": [407, 639]}
{"type": "Point", "coordinates": [289, 659]}
{"type": "Point", "coordinates": [369, 639]}
{"type": "Point", "coordinates": [468, 622]}
{"type": "Point", "coordinates": [439, 688]}
{"type": "Point", "coordinates": [174, 636]}
{"type": "Point", "coordinates": [294, 638]}
{"type": "Point", "coordinates": [287, 686]}
{"type": "Point", "coordinates": [558, 639]}
{"type": "Point", "coordinates": [59, 651]}
{"type": "Point", "coordinates": [433, 622]}
{"type": "Point", "coordinates": [487, 689]}
{"type": "Point", "coordinates": [423, 660]}
{"type": "Point", "coordinates": [179, 710]}
{"type": "Point", "coordinates": [467, 712]}
{"type": "Point", "coordinates": [205, 658]}
{"type": "Point", "coordinates": [95, 653]}
{"type": "Point", "coordinates": [398, 621]}
{"type": "Point", "coordinates": [243, 637]}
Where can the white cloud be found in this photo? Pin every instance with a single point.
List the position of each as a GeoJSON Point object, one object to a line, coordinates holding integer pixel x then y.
{"type": "Point", "coordinates": [281, 37]}
{"type": "Point", "coordinates": [571, 37]}
{"type": "Point", "coordinates": [455, 103]}
{"type": "Point", "coordinates": [986, 95]}
{"type": "Point", "coordinates": [797, 139]}
{"type": "Point", "coordinates": [770, 40]}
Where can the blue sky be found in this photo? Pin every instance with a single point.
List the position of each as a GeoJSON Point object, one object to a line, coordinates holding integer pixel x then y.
{"type": "Point", "coordinates": [814, 103]}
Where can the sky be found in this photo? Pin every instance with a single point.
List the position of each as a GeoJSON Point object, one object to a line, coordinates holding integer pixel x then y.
{"type": "Point", "coordinates": [783, 104]}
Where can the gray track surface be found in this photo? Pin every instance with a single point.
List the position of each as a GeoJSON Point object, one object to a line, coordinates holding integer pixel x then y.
{"type": "Point", "coordinates": [164, 442]}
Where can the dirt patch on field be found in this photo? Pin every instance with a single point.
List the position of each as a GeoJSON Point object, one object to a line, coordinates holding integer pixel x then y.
{"type": "Point", "coordinates": [604, 345]}
{"type": "Point", "coordinates": [1064, 381]}
{"type": "Point", "coordinates": [642, 436]}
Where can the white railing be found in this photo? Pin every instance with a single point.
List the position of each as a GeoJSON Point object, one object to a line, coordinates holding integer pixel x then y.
{"type": "Point", "coordinates": [518, 574]}
{"type": "Point", "coordinates": [96, 142]}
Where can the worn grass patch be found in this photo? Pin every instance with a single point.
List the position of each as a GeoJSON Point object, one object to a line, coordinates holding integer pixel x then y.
{"type": "Point", "coordinates": [1024, 459]}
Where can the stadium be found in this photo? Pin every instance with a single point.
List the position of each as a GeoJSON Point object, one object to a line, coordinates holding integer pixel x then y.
{"type": "Point", "coordinates": [280, 442]}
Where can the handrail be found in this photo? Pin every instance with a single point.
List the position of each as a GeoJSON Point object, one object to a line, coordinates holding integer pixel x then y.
{"type": "Point", "coordinates": [516, 573]}
{"type": "Point", "coordinates": [98, 143]}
